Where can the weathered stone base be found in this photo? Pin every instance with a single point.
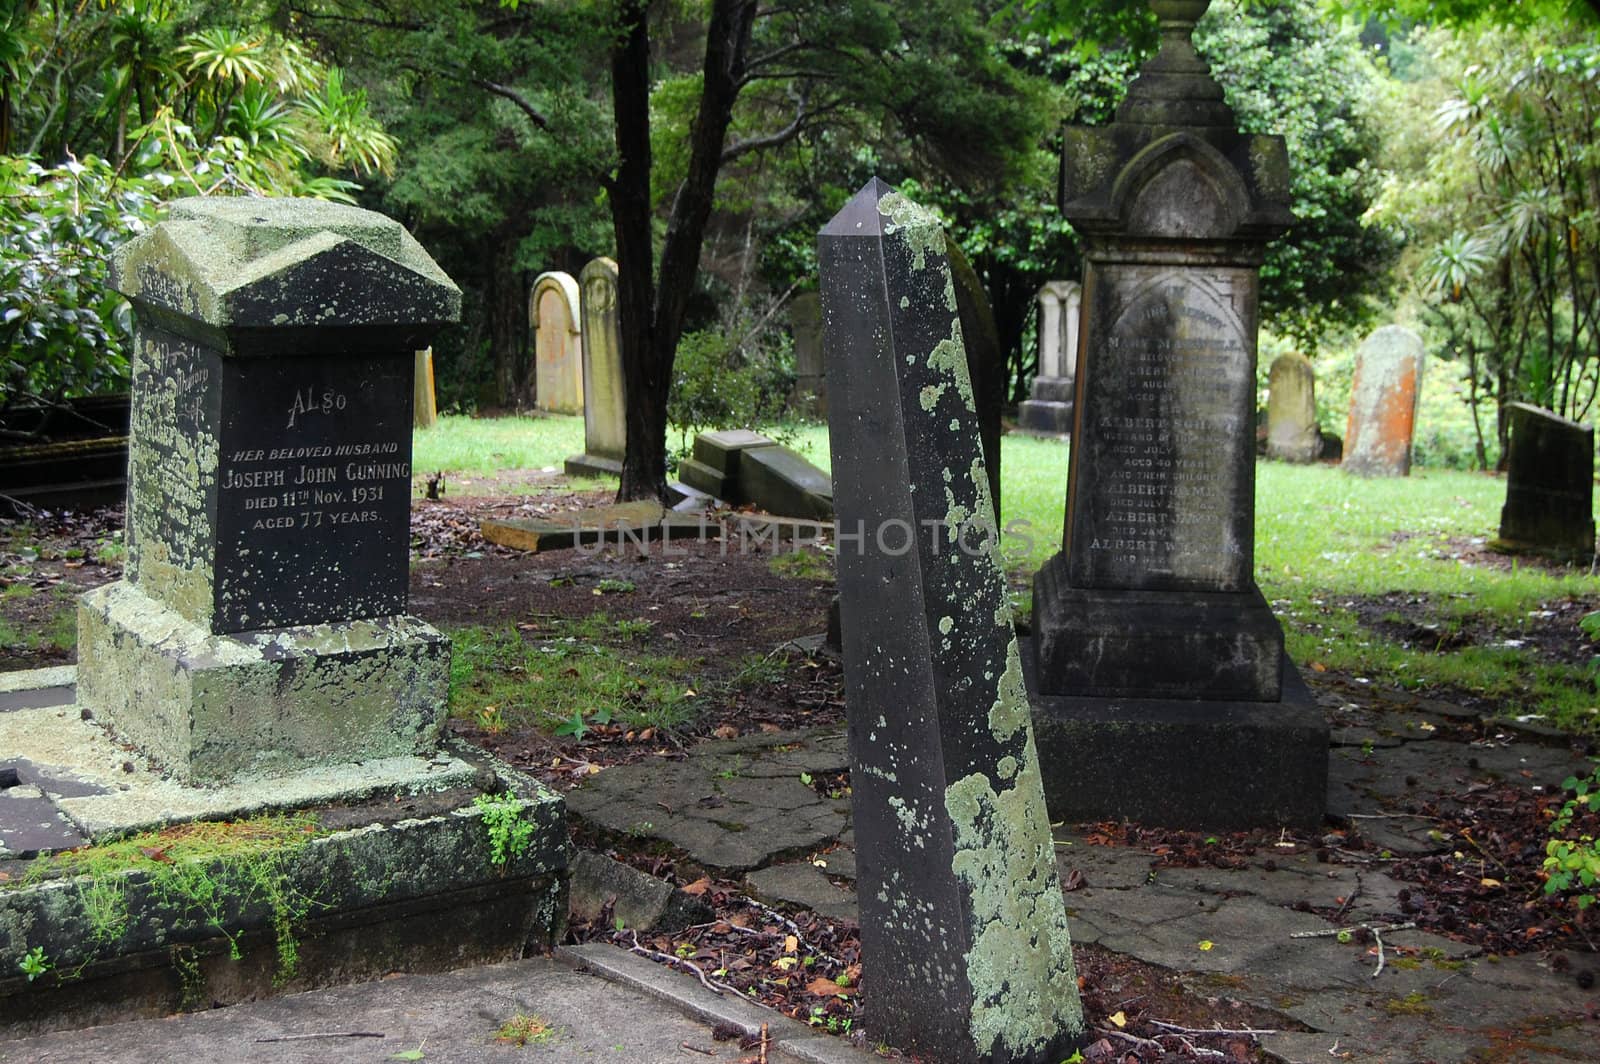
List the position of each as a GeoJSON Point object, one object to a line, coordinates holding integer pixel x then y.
{"type": "Point", "coordinates": [1117, 643]}
{"type": "Point", "coordinates": [1045, 417]}
{"type": "Point", "coordinates": [388, 892]}
{"type": "Point", "coordinates": [781, 481]}
{"type": "Point", "coordinates": [592, 465]}
{"type": "Point", "coordinates": [210, 708]}
{"type": "Point", "coordinates": [1181, 763]}
{"type": "Point", "coordinates": [704, 478]}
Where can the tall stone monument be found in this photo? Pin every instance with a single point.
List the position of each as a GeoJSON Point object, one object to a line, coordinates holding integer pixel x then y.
{"type": "Point", "coordinates": [1292, 432]}
{"type": "Point", "coordinates": [1162, 690]}
{"type": "Point", "coordinates": [1048, 409]}
{"type": "Point", "coordinates": [605, 426]}
{"type": "Point", "coordinates": [1549, 506]}
{"type": "Point", "coordinates": [964, 934]}
{"type": "Point", "coordinates": [1384, 398]}
{"type": "Point", "coordinates": [557, 343]}
{"type": "Point", "coordinates": [261, 625]}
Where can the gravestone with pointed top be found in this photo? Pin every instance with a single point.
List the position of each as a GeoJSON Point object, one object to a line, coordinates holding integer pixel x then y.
{"type": "Point", "coordinates": [1048, 410]}
{"type": "Point", "coordinates": [964, 935]}
{"type": "Point", "coordinates": [1162, 692]}
{"type": "Point", "coordinates": [605, 427]}
{"type": "Point", "coordinates": [261, 624]}
{"type": "Point", "coordinates": [557, 343]}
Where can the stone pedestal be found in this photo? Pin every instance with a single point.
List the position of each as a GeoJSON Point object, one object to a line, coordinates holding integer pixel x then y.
{"type": "Point", "coordinates": [1048, 410]}
{"type": "Point", "coordinates": [261, 624]}
{"type": "Point", "coordinates": [1152, 599]}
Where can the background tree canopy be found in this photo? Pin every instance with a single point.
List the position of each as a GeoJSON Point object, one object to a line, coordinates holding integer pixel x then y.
{"type": "Point", "coordinates": [704, 142]}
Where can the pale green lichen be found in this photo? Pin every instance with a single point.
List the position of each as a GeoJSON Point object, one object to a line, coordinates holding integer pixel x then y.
{"type": "Point", "coordinates": [1007, 767]}
{"type": "Point", "coordinates": [1009, 714]}
{"type": "Point", "coordinates": [929, 396]}
{"type": "Point", "coordinates": [950, 355]}
{"type": "Point", "coordinates": [946, 624]}
{"type": "Point", "coordinates": [1025, 993]}
{"type": "Point", "coordinates": [916, 224]}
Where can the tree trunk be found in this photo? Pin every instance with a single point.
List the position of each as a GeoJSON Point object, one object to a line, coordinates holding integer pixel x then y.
{"type": "Point", "coordinates": [508, 325]}
{"type": "Point", "coordinates": [650, 327]}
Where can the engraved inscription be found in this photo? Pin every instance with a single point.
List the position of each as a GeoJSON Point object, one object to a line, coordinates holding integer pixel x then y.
{"type": "Point", "coordinates": [1171, 379]}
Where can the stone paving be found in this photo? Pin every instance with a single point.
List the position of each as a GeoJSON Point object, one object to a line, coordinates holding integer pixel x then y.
{"type": "Point", "coordinates": [739, 808]}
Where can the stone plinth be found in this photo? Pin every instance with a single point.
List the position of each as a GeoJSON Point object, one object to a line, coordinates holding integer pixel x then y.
{"type": "Point", "coordinates": [605, 428]}
{"type": "Point", "coordinates": [557, 343]}
{"type": "Point", "coordinates": [1048, 410]}
{"type": "Point", "coordinates": [1383, 404]}
{"type": "Point", "coordinates": [265, 591]}
{"type": "Point", "coordinates": [962, 920]}
{"type": "Point", "coordinates": [1292, 432]}
{"type": "Point", "coordinates": [1152, 599]}
{"type": "Point", "coordinates": [1549, 506]}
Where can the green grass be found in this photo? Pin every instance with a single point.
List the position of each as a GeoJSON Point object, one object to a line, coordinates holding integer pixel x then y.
{"type": "Point", "coordinates": [485, 445]}
{"type": "Point", "coordinates": [563, 671]}
{"type": "Point", "coordinates": [1323, 540]}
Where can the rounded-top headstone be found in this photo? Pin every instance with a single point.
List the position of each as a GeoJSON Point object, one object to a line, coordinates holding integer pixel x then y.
{"type": "Point", "coordinates": [253, 262]}
{"type": "Point", "coordinates": [1383, 403]}
{"type": "Point", "coordinates": [1292, 433]}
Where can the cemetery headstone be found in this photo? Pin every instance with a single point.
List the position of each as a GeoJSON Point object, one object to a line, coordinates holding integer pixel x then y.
{"type": "Point", "coordinates": [713, 466]}
{"type": "Point", "coordinates": [1383, 404]}
{"type": "Point", "coordinates": [964, 934]}
{"type": "Point", "coordinates": [1549, 506]}
{"type": "Point", "coordinates": [1162, 690]}
{"type": "Point", "coordinates": [1292, 433]}
{"type": "Point", "coordinates": [261, 625]}
{"type": "Point", "coordinates": [810, 394]}
{"type": "Point", "coordinates": [424, 402]}
{"type": "Point", "coordinates": [557, 343]}
{"type": "Point", "coordinates": [1049, 406]}
{"type": "Point", "coordinates": [605, 428]}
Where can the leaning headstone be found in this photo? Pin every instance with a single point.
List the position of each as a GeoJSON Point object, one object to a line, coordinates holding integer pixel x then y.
{"type": "Point", "coordinates": [557, 343]}
{"type": "Point", "coordinates": [986, 362]}
{"type": "Point", "coordinates": [783, 481]}
{"type": "Point", "coordinates": [1163, 694]}
{"type": "Point", "coordinates": [1292, 433]}
{"type": "Point", "coordinates": [1383, 404]}
{"type": "Point", "coordinates": [964, 934]}
{"type": "Point", "coordinates": [1048, 410]}
{"type": "Point", "coordinates": [1549, 506]}
{"type": "Point", "coordinates": [605, 429]}
{"type": "Point", "coordinates": [261, 625]}
{"type": "Point", "coordinates": [810, 395]}
{"type": "Point", "coordinates": [714, 464]}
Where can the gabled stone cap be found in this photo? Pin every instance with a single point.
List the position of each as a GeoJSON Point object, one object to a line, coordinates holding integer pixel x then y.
{"type": "Point", "coordinates": [254, 262]}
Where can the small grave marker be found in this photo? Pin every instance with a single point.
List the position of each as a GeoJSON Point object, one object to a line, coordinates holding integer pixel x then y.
{"type": "Point", "coordinates": [1383, 404]}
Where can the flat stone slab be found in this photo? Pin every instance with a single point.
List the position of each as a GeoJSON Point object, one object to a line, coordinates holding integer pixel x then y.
{"type": "Point", "coordinates": [105, 789]}
{"type": "Point", "coordinates": [638, 522]}
{"type": "Point", "coordinates": [781, 481]}
{"type": "Point", "coordinates": [806, 884]}
{"type": "Point", "coordinates": [733, 805]}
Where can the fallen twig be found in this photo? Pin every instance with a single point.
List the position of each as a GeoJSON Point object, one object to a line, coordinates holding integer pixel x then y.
{"type": "Point", "coordinates": [321, 1034]}
{"type": "Point", "coordinates": [697, 1049]}
{"type": "Point", "coordinates": [1199, 1051]}
{"type": "Point", "coordinates": [1332, 931]}
{"type": "Point", "coordinates": [681, 962]}
{"type": "Point", "coordinates": [1245, 1032]}
{"type": "Point", "coordinates": [1143, 1043]}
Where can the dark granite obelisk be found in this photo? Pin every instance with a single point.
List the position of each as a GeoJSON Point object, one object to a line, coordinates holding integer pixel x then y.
{"type": "Point", "coordinates": [964, 934]}
{"type": "Point", "coordinates": [1160, 669]}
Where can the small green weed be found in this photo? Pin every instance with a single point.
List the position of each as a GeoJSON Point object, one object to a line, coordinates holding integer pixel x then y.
{"type": "Point", "coordinates": [509, 834]}
{"type": "Point", "coordinates": [522, 1029]}
{"type": "Point", "coordinates": [758, 670]}
{"type": "Point", "coordinates": [610, 586]}
{"type": "Point", "coordinates": [1572, 859]}
{"type": "Point", "coordinates": [802, 564]}
{"type": "Point", "coordinates": [34, 964]}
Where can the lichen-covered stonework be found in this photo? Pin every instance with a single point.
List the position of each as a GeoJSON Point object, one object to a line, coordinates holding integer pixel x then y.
{"type": "Point", "coordinates": [213, 707]}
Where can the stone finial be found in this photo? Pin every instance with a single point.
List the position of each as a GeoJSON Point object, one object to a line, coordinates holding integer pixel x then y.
{"type": "Point", "coordinates": [1175, 86]}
